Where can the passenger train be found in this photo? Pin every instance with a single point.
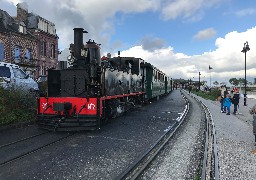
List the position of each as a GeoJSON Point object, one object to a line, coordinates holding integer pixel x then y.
{"type": "Point", "coordinates": [94, 89]}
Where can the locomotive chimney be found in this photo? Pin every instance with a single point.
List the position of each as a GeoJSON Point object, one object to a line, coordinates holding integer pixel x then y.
{"type": "Point", "coordinates": [78, 46]}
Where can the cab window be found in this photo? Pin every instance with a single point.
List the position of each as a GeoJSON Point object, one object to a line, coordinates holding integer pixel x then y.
{"type": "Point", "coordinates": [5, 72]}
{"type": "Point", "coordinates": [94, 53]}
{"type": "Point", "coordinates": [18, 73]}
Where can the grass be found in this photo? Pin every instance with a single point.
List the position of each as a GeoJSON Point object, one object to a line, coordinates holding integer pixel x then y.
{"type": "Point", "coordinates": [16, 106]}
{"type": "Point", "coordinates": [211, 95]}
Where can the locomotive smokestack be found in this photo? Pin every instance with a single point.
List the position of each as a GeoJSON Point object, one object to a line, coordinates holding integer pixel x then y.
{"type": "Point", "coordinates": [78, 45]}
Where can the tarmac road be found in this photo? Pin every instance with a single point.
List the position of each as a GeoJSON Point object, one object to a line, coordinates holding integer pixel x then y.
{"type": "Point", "coordinates": [103, 154]}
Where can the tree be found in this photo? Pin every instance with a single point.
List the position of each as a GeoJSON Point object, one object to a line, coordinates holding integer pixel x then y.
{"type": "Point", "coordinates": [242, 81]}
{"type": "Point", "coordinates": [215, 83]}
{"type": "Point", "coordinates": [234, 81]}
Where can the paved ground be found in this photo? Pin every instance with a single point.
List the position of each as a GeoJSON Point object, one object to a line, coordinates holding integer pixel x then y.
{"type": "Point", "coordinates": [236, 143]}
{"type": "Point", "coordinates": [99, 154]}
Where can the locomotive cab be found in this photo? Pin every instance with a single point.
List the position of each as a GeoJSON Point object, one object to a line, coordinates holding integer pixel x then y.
{"type": "Point", "coordinates": [92, 52]}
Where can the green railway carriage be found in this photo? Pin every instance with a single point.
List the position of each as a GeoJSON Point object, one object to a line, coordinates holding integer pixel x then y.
{"type": "Point", "coordinates": [157, 83]}
{"type": "Point", "coordinates": [168, 84]}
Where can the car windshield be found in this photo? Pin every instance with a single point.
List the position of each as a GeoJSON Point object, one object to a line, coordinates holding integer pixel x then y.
{"type": "Point", "coordinates": [18, 73]}
{"type": "Point", "coordinates": [42, 78]}
{"type": "Point", "coordinates": [5, 72]}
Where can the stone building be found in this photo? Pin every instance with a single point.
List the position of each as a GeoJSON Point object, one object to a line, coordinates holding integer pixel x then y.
{"type": "Point", "coordinates": [29, 41]}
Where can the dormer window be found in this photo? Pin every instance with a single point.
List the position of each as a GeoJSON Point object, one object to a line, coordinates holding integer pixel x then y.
{"type": "Point", "coordinates": [22, 28]}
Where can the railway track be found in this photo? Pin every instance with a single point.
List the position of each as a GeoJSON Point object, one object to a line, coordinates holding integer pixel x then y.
{"type": "Point", "coordinates": [209, 169]}
{"type": "Point", "coordinates": [23, 139]}
{"type": "Point", "coordinates": [21, 148]}
{"type": "Point", "coordinates": [136, 169]}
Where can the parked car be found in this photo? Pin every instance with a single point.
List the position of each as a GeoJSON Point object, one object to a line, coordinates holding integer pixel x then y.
{"type": "Point", "coordinates": [11, 76]}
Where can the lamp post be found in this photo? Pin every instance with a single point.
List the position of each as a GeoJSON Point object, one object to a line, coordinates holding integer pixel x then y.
{"type": "Point", "coordinates": [245, 49]}
{"type": "Point", "coordinates": [210, 76]}
{"type": "Point", "coordinates": [199, 82]}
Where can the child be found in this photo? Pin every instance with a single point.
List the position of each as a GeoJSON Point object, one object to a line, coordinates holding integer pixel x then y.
{"type": "Point", "coordinates": [227, 103]}
{"type": "Point", "coordinates": [236, 98]}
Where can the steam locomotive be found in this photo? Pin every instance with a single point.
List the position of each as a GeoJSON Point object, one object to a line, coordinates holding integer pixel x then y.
{"type": "Point", "coordinates": [94, 89]}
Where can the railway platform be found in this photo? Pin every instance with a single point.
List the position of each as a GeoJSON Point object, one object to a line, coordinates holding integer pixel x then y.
{"type": "Point", "coordinates": [235, 140]}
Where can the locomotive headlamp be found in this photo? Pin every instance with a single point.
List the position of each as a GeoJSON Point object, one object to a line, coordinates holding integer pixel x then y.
{"type": "Point", "coordinates": [70, 59]}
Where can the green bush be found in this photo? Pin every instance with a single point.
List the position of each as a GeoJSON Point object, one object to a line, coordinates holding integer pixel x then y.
{"type": "Point", "coordinates": [212, 95]}
{"type": "Point", "coordinates": [16, 106]}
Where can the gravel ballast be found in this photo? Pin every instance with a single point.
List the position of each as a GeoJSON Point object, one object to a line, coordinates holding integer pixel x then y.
{"type": "Point", "coordinates": [181, 158]}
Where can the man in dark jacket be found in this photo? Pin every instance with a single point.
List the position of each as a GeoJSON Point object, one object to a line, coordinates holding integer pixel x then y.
{"type": "Point", "coordinates": [236, 98]}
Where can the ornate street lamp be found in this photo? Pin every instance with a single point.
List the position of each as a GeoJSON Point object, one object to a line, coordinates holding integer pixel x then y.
{"type": "Point", "coordinates": [245, 49]}
{"type": "Point", "coordinates": [210, 76]}
{"type": "Point", "coordinates": [199, 81]}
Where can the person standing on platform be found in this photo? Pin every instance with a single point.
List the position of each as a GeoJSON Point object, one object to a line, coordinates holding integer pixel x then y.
{"type": "Point", "coordinates": [189, 89]}
{"type": "Point", "coordinates": [235, 101]}
{"type": "Point", "coordinates": [253, 112]}
{"type": "Point", "coordinates": [223, 92]}
{"type": "Point", "coordinates": [227, 103]}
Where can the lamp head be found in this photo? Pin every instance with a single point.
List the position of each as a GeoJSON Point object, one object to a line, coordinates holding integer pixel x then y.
{"type": "Point", "coordinates": [246, 47]}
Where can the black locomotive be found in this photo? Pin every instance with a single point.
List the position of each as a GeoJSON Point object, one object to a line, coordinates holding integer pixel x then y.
{"type": "Point", "coordinates": [95, 89]}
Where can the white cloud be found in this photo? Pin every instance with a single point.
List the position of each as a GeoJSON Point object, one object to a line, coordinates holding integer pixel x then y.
{"type": "Point", "coordinates": [187, 9]}
{"type": "Point", "coordinates": [227, 60]}
{"type": "Point", "coordinates": [245, 12]}
{"type": "Point", "coordinates": [205, 34]}
{"type": "Point", "coordinates": [97, 18]}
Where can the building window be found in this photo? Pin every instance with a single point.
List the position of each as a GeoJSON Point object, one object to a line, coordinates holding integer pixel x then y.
{"type": "Point", "coordinates": [43, 48]}
{"type": "Point", "coordinates": [1, 52]}
{"type": "Point", "coordinates": [43, 70]}
{"type": "Point", "coordinates": [17, 54]}
{"type": "Point", "coordinates": [52, 51]}
{"type": "Point", "coordinates": [28, 54]}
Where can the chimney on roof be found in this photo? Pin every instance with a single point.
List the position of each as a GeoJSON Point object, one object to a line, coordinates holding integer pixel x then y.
{"type": "Point", "coordinates": [22, 12]}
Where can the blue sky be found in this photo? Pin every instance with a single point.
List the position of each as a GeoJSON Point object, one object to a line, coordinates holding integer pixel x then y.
{"type": "Point", "coordinates": [179, 33]}
{"type": "Point", "coordinates": [180, 37]}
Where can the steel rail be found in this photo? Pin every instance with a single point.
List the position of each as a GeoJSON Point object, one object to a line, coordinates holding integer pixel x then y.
{"type": "Point", "coordinates": [34, 150]}
{"type": "Point", "coordinates": [136, 169]}
{"type": "Point", "coordinates": [210, 135]}
{"type": "Point", "coordinates": [23, 139]}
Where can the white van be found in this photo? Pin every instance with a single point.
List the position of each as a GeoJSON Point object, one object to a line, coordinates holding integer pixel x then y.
{"type": "Point", "coordinates": [12, 76]}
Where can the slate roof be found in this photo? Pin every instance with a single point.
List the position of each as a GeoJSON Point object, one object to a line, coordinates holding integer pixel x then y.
{"type": "Point", "coordinates": [7, 23]}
